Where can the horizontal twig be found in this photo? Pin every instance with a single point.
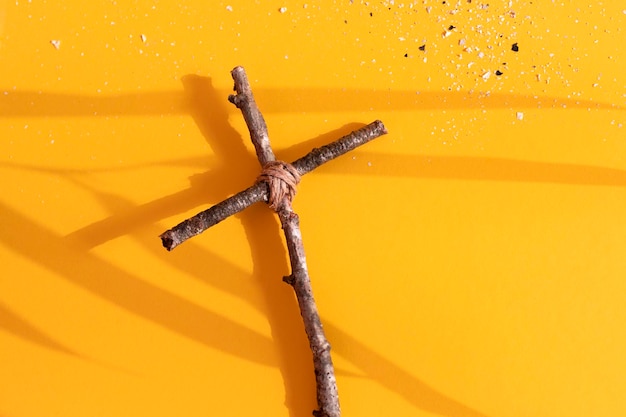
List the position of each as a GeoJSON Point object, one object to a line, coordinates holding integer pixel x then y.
{"type": "Point", "coordinates": [259, 192]}
{"type": "Point", "coordinates": [212, 216]}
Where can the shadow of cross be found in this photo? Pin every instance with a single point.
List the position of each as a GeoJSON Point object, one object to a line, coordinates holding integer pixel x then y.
{"type": "Point", "coordinates": [277, 186]}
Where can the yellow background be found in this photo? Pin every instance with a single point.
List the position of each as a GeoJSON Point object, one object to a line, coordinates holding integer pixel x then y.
{"type": "Point", "coordinates": [469, 264]}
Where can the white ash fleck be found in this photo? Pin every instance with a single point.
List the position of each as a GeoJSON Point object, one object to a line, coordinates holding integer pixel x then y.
{"type": "Point", "coordinates": [282, 9]}
{"type": "Point", "coordinates": [56, 43]}
{"type": "Point", "coordinates": [486, 75]}
{"type": "Point", "coordinates": [143, 37]}
{"type": "Point", "coordinates": [229, 8]}
{"type": "Point", "coordinates": [519, 115]}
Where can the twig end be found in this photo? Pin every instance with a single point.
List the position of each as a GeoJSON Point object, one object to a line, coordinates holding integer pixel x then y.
{"type": "Point", "coordinates": [168, 240]}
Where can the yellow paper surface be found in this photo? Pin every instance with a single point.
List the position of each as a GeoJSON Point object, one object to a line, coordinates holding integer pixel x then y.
{"type": "Point", "coordinates": [468, 264]}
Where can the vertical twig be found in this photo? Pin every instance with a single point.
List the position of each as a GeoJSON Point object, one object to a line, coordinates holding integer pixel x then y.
{"type": "Point", "coordinates": [327, 395]}
{"type": "Point", "coordinates": [244, 100]}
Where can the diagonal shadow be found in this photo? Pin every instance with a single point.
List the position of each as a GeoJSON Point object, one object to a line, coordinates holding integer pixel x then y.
{"type": "Point", "coordinates": [394, 378]}
{"type": "Point", "coordinates": [13, 323]}
{"type": "Point", "coordinates": [98, 276]}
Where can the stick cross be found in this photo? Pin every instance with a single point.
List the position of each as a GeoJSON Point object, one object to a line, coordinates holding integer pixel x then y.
{"type": "Point", "coordinates": [277, 185]}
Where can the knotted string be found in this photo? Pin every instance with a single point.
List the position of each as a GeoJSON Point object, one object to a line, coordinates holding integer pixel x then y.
{"type": "Point", "coordinates": [282, 180]}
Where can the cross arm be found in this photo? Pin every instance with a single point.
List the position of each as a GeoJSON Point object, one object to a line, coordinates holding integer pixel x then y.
{"type": "Point", "coordinates": [259, 192]}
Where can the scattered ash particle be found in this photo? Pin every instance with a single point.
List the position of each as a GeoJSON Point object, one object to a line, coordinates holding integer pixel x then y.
{"type": "Point", "coordinates": [406, 55]}
{"type": "Point", "coordinates": [451, 27]}
{"type": "Point", "coordinates": [282, 9]}
{"type": "Point", "coordinates": [371, 14]}
{"type": "Point", "coordinates": [519, 115]}
{"type": "Point", "coordinates": [56, 43]}
{"type": "Point", "coordinates": [486, 75]}
{"type": "Point", "coordinates": [229, 8]}
{"type": "Point", "coordinates": [422, 48]}
{"type": "Point", "coordinates": [515, 47]}
{"type": "Point", "coordinates": [499, 73]}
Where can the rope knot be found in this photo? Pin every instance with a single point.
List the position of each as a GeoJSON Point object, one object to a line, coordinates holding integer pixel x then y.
{"type": "Point", "coordinates": [282, 180]}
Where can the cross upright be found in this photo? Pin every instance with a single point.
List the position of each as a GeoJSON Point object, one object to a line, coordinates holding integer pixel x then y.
{"type": "Point", "coordinates": [276, 185]}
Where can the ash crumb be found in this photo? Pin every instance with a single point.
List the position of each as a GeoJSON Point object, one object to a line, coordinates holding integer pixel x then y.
{"type": "Point", "coordinates": [519, 115]}
{"type": "Point", "coordinates": [282, 9]}
{"type": "Point", "coordinates": [229, 8]}
{"type": "Point", "coordinates": [56, 43]}
{"type": "Point", "coordinates": [422, 48]}
{"type": "Point", "coordinates": [486, 75]}
{"type": "Point", "coordinates": [143, 37]}
{"type": "Point", "coordinates": [515, 47]}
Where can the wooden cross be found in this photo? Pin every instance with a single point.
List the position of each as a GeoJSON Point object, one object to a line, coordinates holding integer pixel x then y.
{"type": "Point", "coordinates": [277, 186]}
